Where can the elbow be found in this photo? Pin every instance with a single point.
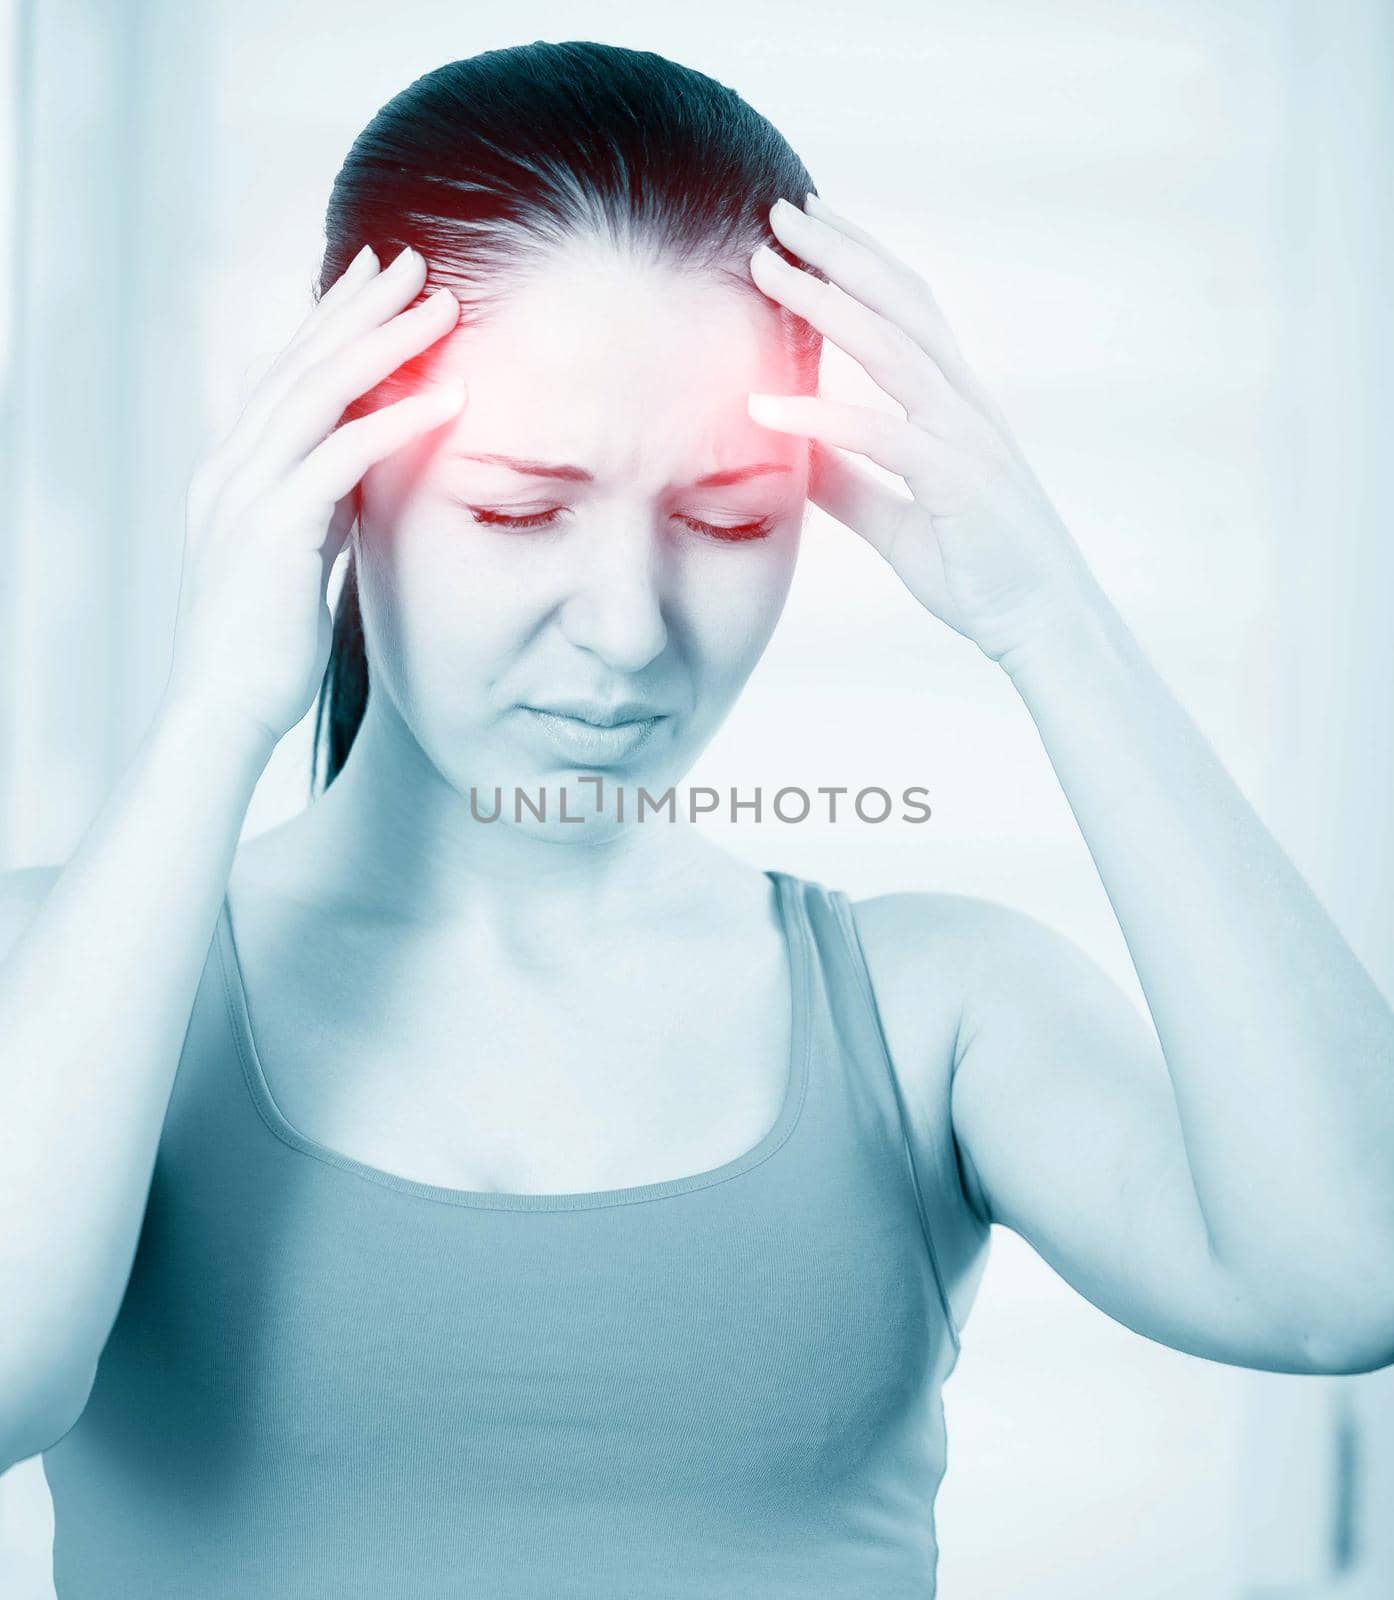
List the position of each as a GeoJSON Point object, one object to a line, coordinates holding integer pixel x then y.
{"type": "Point", "coordinates": [1354, 1347]}
{"type": "Point", "coordinates": [32, 1423]}
{"type": "Point", "coordinates": [1337, 1323]}
{"type": "Point", "coordinates": [32, 1436]}
{"type": "Point", "coordinates": [1349, 1360]}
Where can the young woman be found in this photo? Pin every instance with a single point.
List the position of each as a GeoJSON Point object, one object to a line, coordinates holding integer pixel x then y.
{"type": "Point", "coordinates": [414, 1203]}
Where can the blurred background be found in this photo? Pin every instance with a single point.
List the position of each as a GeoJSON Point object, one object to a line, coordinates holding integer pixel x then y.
{"type": "Point", "coordinates": [1162, 232]}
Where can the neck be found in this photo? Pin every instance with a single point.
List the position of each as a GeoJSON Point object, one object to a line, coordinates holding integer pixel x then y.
{"type": "Point", "coordinates": [392, 831]}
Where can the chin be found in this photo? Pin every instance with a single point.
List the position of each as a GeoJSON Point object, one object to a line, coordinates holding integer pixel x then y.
{"type": "Point", "coordinates": [570, 803]}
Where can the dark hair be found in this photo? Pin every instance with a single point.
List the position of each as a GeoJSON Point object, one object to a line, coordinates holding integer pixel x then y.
{"type": "Point", "coordinates": [486, 163]}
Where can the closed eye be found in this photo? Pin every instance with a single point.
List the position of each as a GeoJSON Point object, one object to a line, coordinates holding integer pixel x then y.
{"type": "Point", "coordinates": [546, 519]}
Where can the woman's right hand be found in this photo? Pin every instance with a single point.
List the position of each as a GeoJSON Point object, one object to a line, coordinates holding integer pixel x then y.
{"type": "Point", "coordinates": [270, 509]}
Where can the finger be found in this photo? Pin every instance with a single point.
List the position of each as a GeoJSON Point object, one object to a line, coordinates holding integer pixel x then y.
{"type": "Point", "coordinates": [892, 358]}
{"type": "Point", "coordinates": [940, 474]}
{"type": "Point", "coordinates": [362, 269]}
{"type": "Point", "coordinates": [863, 263]}
{"type": "Point", "coordinates": [380, 296]}
{"type": "Point", "coordinates": [340, 526]}
{"type": "Point", "coordinates": [312, 408]}
{"type": "Point", "coordinates": [868, 269]}
{"type": "Point", "coordinates": [359, 271]}
{"type": "Point", "coordinates": [332, 470]}
{"type": "Point", "coordinates": [890, 442]}
{"type": "Point", "coordinates": [900, 530]}
{"type": "Point", "coordinates": [861, 502]}
{"type": "Point", "coordinates": [273, 382]}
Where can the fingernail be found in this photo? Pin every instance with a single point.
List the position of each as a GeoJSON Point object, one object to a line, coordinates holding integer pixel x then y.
{"type": "Point", "coordinates": [768, 256]}
{"type": "Point", "coordinates": [362, 259]}
{"type": "Point", "coordinates": [782, 208]}
{"type": "Point", "coordinates": [402, 258]}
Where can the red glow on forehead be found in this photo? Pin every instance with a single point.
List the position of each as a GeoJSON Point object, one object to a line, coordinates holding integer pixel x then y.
{"type": "Point", "coordinates": [574, 474]}
{"type": "Point", "coordinates": [596, 371]}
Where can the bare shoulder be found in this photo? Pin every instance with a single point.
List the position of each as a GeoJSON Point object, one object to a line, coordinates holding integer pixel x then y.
{"type": "Point", "coordinates": [935, 954]}
{"type": "Point", "coordinates": [926, 952]}
{"type": "Point", "coordinates": [939, 963]}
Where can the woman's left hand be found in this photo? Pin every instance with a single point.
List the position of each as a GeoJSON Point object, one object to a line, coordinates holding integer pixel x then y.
{"type": "Point", "coordinates": [978, 543]}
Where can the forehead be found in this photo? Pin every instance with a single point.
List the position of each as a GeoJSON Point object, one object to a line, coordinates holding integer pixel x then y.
{"type": "Point", "coordinates": [630, 367]}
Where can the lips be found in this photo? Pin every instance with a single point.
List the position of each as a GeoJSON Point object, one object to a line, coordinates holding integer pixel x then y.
{"type": "Point", "coordinates": [628, 711]}
{"type": "Point", "coordinates": [577, 739]}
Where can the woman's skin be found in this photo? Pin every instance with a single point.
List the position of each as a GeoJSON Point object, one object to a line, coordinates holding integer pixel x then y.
{"type": "Point", "coordinates": [623, 988]}
{"type": "Point", "coordinates": [1233, 1192]}
{"type": "Point", "coordinates": [620, 990]}
{"type": "Point", "coordinates": [1231, 1195]}
{"type": "Point", "coordinates": [637, 373]}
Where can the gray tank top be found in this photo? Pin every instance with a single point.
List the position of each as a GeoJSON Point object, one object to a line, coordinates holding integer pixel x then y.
{"type": "Point", "coordinates": [329, 1380]}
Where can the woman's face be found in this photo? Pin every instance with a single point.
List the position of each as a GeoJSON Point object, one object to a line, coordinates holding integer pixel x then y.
{"type": "Point", "coordinates": [638, 549]}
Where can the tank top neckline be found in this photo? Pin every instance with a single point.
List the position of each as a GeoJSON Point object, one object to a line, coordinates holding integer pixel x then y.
{"type": "Point", "coordinates": [799, 958]}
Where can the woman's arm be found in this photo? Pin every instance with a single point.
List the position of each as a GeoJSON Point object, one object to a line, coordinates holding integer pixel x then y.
{"type": "Point", "coordinates": [1278, 1048]}
{"type": "Point", "coordinates": [1068, 1133]}
{"type": "Point", "coordinates": [101, 963]}
{"type": "Point", "coordinates": [102, 957]}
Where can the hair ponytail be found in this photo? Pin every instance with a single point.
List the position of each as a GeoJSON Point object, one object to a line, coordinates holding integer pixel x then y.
{"type": "Point", "coordinates": [344, 691]}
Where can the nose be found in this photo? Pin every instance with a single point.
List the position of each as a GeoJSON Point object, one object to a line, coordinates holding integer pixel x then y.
{"type": "Point", "coordinates": [615, 601]}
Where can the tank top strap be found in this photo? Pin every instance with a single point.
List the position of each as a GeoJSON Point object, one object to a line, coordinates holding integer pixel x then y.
{"type": "Point", "coordinates": [207, 1086]}
{"type": "Point", "coordinates": [954, 1237]}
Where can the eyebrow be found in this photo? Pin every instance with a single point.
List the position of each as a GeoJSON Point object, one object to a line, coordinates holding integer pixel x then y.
{"type": "Point", "coordinates": [559, 469]}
